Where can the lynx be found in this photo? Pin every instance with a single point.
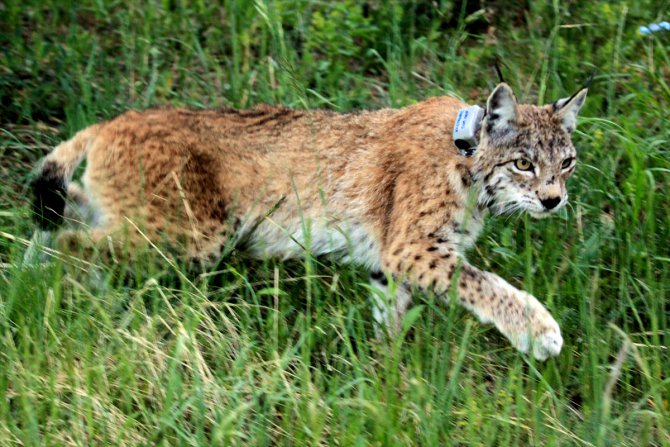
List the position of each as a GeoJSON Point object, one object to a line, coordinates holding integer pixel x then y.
{"type": "Point", "coordinates": [385, 189]}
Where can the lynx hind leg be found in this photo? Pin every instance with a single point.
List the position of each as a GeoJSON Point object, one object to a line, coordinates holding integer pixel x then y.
{"type": "Point", "coordinates": [84, 244]}
{"type": "Point", "coordinates": [205, 253]}
{"type": "Point", "coordinates": [76, 193]}
{"type": "Point", "coordinates": [35, 253]}
{"type": "Point", "coordinates": [79, 210]}
{"type": "Point", "coordinates": [388, 308]}
{"type": "Point", "coordinates": [107, 245]}
{"type": "Point", "coordinates": [206, 243]}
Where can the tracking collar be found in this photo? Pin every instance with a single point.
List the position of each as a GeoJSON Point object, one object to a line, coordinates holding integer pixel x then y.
{"type": "Point", "coordinates": [466, 129]}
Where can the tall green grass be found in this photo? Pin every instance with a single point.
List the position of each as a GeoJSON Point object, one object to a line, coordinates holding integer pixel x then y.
{"type": "Point", "coordinates": [271, 353]}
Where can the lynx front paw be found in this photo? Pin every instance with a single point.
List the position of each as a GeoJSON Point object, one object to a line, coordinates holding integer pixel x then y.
{"type": "Point", "coordinates": [546, 344]}
{"type": "Point", "coordinates": [547, 340]}
{"type": "Point", "coordinates": [541, 334]}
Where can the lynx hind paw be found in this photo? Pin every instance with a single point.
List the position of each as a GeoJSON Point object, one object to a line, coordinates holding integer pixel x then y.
{"type": "Point", "coordinates": [35, 253]}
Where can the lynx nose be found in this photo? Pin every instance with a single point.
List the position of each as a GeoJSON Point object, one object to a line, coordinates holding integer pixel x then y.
{"type": "Point", "coordinates": [551, 202]}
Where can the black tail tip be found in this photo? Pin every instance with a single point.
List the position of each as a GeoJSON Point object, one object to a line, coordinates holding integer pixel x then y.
{"type": "Point", "coordinates": [48, 195]}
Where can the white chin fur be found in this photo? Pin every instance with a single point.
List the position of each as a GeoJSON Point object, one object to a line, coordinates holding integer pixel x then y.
{"type": "Point", "coordinates": [541, 215]}
{"type": "Point", "coordinates": [535, 214]}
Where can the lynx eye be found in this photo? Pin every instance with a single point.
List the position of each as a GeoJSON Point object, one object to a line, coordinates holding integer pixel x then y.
{"type": "Point", "coordinates": [523, 164]}
{"type": "Point", "coordinates": [567, 162]}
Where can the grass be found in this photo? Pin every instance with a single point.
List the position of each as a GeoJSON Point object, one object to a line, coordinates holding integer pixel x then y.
{"type": "Point", "coordinates": [271, 353]}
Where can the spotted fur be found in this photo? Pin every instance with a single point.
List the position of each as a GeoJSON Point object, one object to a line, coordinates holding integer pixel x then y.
{"type": "Point", "coordinates": [385, 189]}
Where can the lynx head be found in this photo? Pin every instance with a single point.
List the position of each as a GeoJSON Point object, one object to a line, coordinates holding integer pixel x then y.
{"type": "Point", "coordinates": [525, 153]}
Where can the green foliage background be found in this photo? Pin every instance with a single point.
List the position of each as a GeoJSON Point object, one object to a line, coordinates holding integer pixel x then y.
{"type": "Point", "coordinates": [271, 353]}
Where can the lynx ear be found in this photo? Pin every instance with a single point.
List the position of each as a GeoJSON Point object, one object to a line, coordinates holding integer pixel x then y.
{"type": "Point", "coordinates": [567, 109]}
{"type": "Point", "coordinates": [501, 110]}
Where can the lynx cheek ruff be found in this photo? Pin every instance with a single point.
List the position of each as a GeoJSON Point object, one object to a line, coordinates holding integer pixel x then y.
{"type": "Point", "coordinates": [466, 128]}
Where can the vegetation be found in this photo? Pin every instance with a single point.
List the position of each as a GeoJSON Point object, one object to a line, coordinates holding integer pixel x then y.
{"type": "Point", "coordinates": [272, 353]}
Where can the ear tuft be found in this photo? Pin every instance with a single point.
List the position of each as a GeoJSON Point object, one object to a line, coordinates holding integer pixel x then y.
{"type": "Point", "coordinates": [501, 109]}
{"type": "Point", "coordinates": [567, 109]}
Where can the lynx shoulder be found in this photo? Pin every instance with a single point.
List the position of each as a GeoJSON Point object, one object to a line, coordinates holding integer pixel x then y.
{"type": "Point", "coordinates": [385, 189]}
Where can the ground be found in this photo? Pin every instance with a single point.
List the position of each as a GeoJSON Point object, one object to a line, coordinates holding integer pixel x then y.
{"type": "Point", "coordinates": [272, 353]}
